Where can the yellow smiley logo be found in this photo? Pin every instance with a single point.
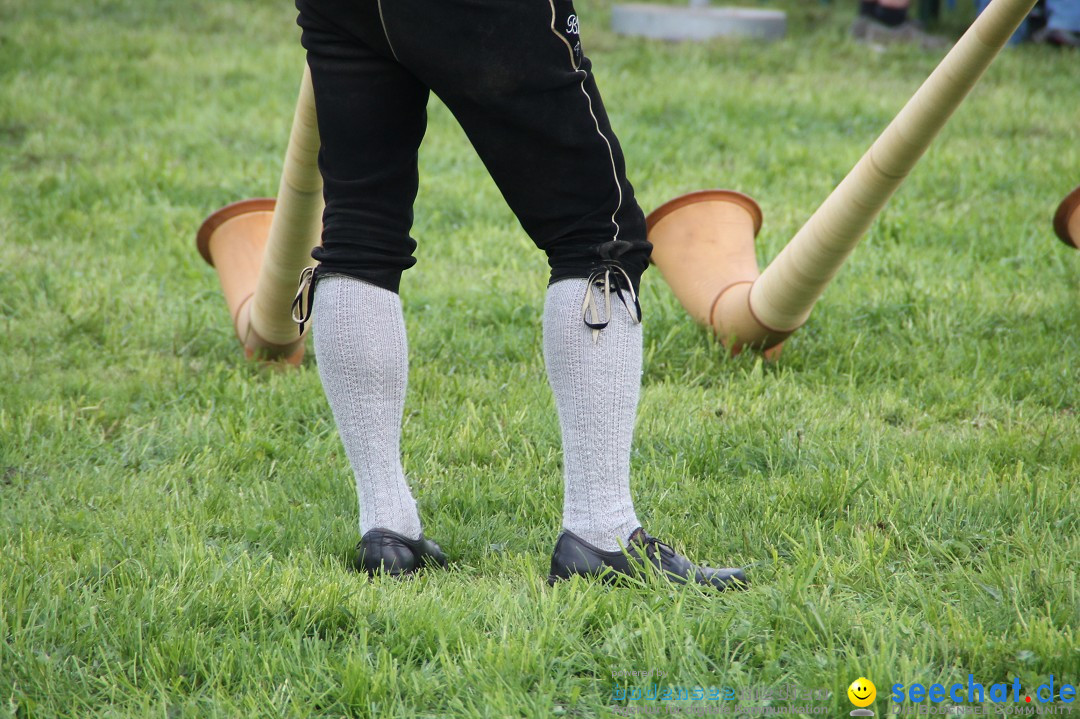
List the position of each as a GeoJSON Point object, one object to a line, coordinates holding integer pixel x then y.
{"type": "Point", "coordinates": [862, 692]}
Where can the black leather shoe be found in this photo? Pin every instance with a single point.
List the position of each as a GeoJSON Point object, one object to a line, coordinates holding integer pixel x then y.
{"type": "Point", "coordinates": [574, 556]}
{"type": "Point", "coordinates": [381, 550]}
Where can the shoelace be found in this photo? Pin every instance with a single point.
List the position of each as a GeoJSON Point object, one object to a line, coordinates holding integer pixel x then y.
{"type": "Point", "coordinates": [306, 291]}
{"type": "Point", "coordinates": [652, 545]}
{"type": "Point", "coordinates": [603, 278]}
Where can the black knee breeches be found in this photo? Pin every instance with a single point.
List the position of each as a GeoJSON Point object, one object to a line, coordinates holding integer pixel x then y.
{"type": "Point", "coordinates": [514, 75]}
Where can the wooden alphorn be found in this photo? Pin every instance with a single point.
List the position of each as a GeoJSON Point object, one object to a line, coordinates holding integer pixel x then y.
{"type": "Point", "coordinates": [260, 246]}
{"type": "Point", "coordinates": [703, 243]}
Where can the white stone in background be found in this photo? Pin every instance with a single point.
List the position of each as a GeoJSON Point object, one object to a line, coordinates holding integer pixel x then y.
{"type": "Point", "coordinates": [698, 21]}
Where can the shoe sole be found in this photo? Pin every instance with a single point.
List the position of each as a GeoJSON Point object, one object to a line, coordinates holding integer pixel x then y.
{"type": "Point", "coordinates": [613, 578]}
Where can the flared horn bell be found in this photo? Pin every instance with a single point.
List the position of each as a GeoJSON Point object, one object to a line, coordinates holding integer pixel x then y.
{"type": "Point", "coordinates": [233, 242]}
{"type": "Point", "coordinates": [260, 247]}
{"type": "Point", "coordinates": [1067, 219]}
{"type": "Point", "coordinates": [703, 245]}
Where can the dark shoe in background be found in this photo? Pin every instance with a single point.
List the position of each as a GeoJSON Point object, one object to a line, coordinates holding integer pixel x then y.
{"type": "Point", "coordinates": [381, 550]}
{"type": "Point", "coordinates": [1057, 38]}
{"type": "Point", "coordinates": [574, 556]}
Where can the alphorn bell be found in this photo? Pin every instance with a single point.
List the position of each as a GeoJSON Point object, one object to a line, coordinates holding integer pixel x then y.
{"type": "Point", "coordinates": [1067, 219]}
{"type": "Point", "coordinates": [260, 246]}
{"type": "Point", "coordinates": [703, 242]}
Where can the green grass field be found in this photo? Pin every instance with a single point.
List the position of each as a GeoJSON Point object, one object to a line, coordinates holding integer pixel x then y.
{"type": "Point", "coordinates": [176, 522]}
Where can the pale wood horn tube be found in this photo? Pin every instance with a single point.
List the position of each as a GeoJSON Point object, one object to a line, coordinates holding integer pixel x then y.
{"type": "Point", "coordinates": [295, 229]}
{"type": "Point", "coordinates": [260, 246]}
{"type": "Point", "coordinates": [782, 298]}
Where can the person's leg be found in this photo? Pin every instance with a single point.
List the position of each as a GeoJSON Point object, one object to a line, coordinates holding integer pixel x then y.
{"type": "Point", "coordinates": [514, 76]}
{"type": "Point", "coordinates": [360, 345]}
{"type": "Point", "coordinates": [1063, 15]}
{"type": "Point", "coordinates": [1062, 24]}
{"type": "Point", "coordinates": [371, 115]}
{"type": "Point", "coordinates": [596, 386]}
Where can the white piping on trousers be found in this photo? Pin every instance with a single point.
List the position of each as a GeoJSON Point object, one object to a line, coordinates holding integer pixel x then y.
{"type": "Point", "coordinates": [386, 34]}
{"type": "Point", "coordinates": [584, 77]}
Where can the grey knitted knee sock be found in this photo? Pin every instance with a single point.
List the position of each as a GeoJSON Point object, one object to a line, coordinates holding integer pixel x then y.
{"type": "Point", "coordinates": [596, 387]}
{"type": "Point", "coordinates": [361, 349]}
